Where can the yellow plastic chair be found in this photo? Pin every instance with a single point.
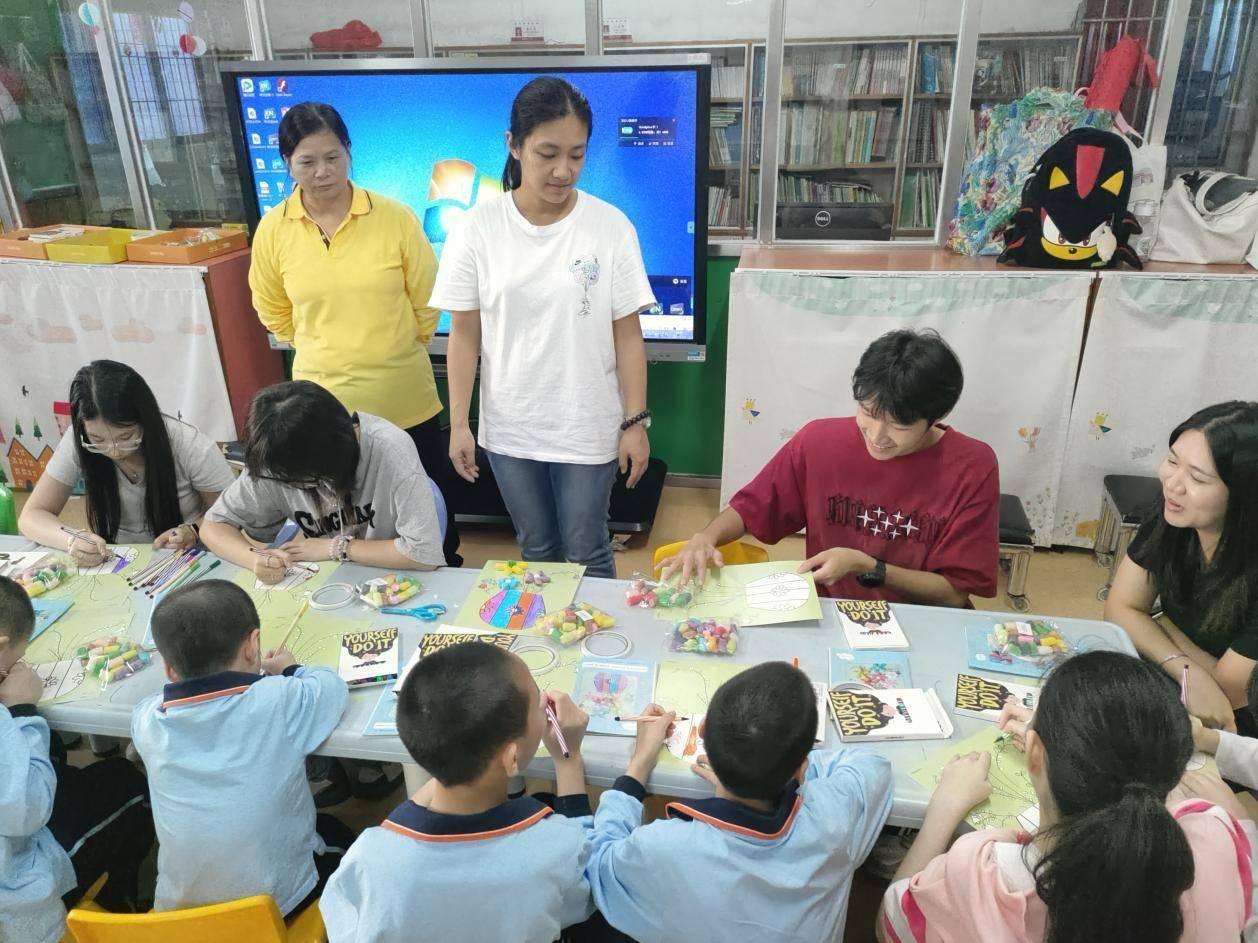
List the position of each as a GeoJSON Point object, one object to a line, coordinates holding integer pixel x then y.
{"type": "Point", "coordinates": [249, 920]}
{"type": "Point", "coordinates": [734, 553]}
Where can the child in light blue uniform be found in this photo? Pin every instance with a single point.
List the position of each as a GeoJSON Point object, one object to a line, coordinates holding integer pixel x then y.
{"type": "Point", "coordinates": [60, 827]}
{"type": "Point", "coordinates": [461, 861]}
{"type": "Point", "coordinates": [34, 870]}
{"type": "Point", "coordinates": [771, 856]}
{"type": "Point", "coordinates": [225, 745]}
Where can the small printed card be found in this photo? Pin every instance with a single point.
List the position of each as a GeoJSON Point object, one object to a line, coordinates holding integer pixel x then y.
{"type": "Point", "coordinates": [820, 691]}
{"type": "Point", "coordinates": [685, 743]}
{"type": "Point", "coordinates": [870, 623]}
{"type": "Point", "coordinates": [870, 669]}
{"type": "Point", "coordinates": [983, 698]}
{"type": "Point", "coordinates": [383, 719]}
{"type": "Point", "coordinates": [896, 714]}
{"type": "Point", "coordinates": [48, 611]}
{"type": "Point", "coordinates": [369, 657]}
{"type": "Point", "coordinates": [609, 689]}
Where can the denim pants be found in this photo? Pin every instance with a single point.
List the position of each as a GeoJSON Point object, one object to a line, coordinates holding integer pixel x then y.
{"type": "Point", "coordinates": [559, 510]}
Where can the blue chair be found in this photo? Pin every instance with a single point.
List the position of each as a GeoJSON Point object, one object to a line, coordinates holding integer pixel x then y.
{"type": "Point", "coordinates": [443, 516]}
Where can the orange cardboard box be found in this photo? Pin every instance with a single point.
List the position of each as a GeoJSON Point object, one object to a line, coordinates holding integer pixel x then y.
{"type": "Point", "coordinates": [159, 248]}
{"type": "Point", "coordinates": [18, 245]}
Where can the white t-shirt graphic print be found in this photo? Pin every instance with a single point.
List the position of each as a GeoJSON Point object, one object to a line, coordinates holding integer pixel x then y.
{"type": "Point", "coordinates": [547, 297]}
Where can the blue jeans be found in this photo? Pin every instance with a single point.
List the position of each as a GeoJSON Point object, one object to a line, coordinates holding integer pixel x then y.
{"type": "Point", "coordinates": [559, 510]}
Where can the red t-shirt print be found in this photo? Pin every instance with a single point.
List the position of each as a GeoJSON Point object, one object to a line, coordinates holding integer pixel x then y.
{"type": "Point", "coordinates": [936, 510]}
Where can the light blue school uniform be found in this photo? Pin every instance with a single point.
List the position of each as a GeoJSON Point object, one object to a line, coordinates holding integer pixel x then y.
{"type": "Point", "coordinates": [720, 870]}
{"type": "Point", "coordinates": [514, 874]}
{"type": "Point", "coordinates": [226, 761]}
{"type": "Point", "coordinates": [34, 870]}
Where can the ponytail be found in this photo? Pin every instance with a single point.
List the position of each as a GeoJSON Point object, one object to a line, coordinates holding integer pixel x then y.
{"type": "Point", "coordinates": [546, 98]}
{"type": "Point", "coordinates": [1116, 741]}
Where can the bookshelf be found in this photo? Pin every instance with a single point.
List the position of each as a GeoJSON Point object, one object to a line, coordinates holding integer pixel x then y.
{"type": "Point", "coordinates": [1005, 69]}
{"type": "Point", "coordinates": [863, 123]}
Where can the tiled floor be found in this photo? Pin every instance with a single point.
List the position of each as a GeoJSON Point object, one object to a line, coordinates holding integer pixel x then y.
{"type": "Point", "coordinates": [1061, 583]}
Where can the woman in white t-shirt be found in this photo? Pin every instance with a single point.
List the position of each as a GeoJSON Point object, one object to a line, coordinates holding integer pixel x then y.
{"type": "Point", "coordinates": [545, 284]}
{"type": "Point", "coordinates": [148, 477]}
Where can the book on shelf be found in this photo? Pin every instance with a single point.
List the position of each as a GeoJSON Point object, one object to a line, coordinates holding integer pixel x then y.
{"type": "Point", "coordinates": [725, 136]}
{"type": "Point", "coordinates": [813, 133]}
{"type": "Point", "coordinates": [919, 199]}
{"type": "Point", "coordinates": [793, 188]}
{"type": "Point", "coordinates": [936, 68]}
{"type": "Point", "coordinates": [1011, 71]}
{"type": "Point", "coordinates": [842, 71]}
{"type": "Point", "coordinates": [727, 81]}
{"type": "Point", "coordinates": [723, 207]}
{"type": "Point", "coordinates": [928, 132]}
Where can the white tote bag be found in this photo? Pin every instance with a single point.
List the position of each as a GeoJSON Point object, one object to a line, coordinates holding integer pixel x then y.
{"type": "Point", "coordinates": [1189, 232]}
{"type": "Point", "coordinates": [1148, 178]}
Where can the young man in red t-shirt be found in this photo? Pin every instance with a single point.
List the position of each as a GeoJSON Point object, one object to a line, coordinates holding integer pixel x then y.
{"type": "Point", "coordinates": [897, 506]}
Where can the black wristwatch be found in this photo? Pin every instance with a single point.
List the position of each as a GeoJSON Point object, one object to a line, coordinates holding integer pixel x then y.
{"type": "Point", "coordinates": [875, 577]}
{"type": "Point", "coordinates": [643, 417]}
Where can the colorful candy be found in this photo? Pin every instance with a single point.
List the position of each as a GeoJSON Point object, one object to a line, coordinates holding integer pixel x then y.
{"type": "Point", "coordinates": [48, 574]}
{"type": "Point", "coordinates": [511, 567]}
{"type": "Point", "coordinates": [1028, 640]}
{"type": "Point", "coordinates": [649, 594]}
{"type": "Point", "coordinates": [570, 625]}
{"type": "Point", "coordinates": [111, 658]}
{"type": "Point", "coordinates": [388, 590]}
{"type": "Point", "coordinates": [704, 637]}
{"type": "Point", "coordinates": [536, 578]}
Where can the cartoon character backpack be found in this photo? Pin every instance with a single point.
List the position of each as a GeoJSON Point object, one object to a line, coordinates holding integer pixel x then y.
{"type": "Point", "coordinates": [1074, 206]}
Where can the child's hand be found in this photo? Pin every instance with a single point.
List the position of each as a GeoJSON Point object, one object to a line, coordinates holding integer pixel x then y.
{"type": "Point", "coordinates": [270, 566]}
{"type": "Point", "coordinates": [1198, 784]}
{"type": "Point", "coordinates": [276, 660]}
{"type": "Point", "coordinates": [21, 686]}
{"type": "Point", "coordinates": [1203, 738]}
{"type": "Point", "coordinates": [651, 736]}
{"type": "Point", "coordinates": [704, 770]}
{"type": "Point", "coordinates": [963, 783]}
{"type": "Point", "coordinates": [572, 721]}
{"type": "Point", "coordinates": [1014, 719]}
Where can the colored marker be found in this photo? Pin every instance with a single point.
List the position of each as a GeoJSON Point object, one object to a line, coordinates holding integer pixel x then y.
{"type": "Point", "coordinates": [630, 720]}
{"type": "Point", "coordinates": [305, 604]}
{"type": "Point", "coordinates": [1183, 685]}
{"type": "Point", "coordinates": [554, 724]}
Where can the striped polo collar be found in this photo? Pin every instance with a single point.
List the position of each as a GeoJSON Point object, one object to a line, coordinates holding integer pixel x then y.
{"type": "Point", "coordinates": [208, 688]}
{"type": "Point", "coordinates": [739, 818]}
{"type": "Point", "coordinates": [514, 815]}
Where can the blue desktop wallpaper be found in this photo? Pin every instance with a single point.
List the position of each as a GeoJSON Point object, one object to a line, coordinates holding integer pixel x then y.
{"type": "Point", "coordinates": [436, 142]}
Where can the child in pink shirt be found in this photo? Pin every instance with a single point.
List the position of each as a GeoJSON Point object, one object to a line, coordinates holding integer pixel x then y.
{"type": "Point", "coordinates": [1124, 853]}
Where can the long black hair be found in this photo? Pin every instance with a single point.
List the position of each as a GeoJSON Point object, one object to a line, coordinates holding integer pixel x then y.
{"type": "Point", "coordinates": [299, 432]}
{"type": "Point", "coordinates": [546, 98]}
{"type": "Point", "coordinates": [306, 119]}
{"type": "Point", "coordinates": [1116, 741]}
{"type": "Point", "coordinates": [116, 394]}
{"type": "Point", "coordinates": [1174, 556]}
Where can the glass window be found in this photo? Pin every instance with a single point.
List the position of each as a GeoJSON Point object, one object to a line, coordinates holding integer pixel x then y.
{"type": "Point", "coordinates": [58, 139]}
{"type": "Point", "coordinates": [862, 124]}
{"type": "Point", "coordinates": [300, 29]}
{"type": "Point", "coordinates": [170, 65]}
{"type": "Point", "coordinates": [1214, 112]}
{"type": "Point", "coordinates": [492, 28]}
{"type": "Point", "coordinates": [726, 33]}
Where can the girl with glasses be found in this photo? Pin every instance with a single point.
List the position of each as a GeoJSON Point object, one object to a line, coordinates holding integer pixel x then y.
{"type": "Point", "coordinates": [148, 477]}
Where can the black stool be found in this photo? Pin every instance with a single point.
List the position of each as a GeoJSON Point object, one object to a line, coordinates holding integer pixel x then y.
{"type": "Point", "coordinates": [1017, 544]}
{"type": "Point", "coordinates": [1125, 502]}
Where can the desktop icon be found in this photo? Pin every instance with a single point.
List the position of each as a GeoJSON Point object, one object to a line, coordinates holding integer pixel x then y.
{"type": "Point", "coordinates": [268, 115]}
{"type": "Point", "coordinates": [251, 114]}
{"type": "Point", "coordinates": [256, 139]}
{"type": "Point", "coordinates": [259, 163]}
{"type": "Point", "coordinates": [281, 86]}
{"type": "Point", "coordinates": [264, 86]}
{"type": "Point", "coordinates": [278, 164]}
{"type": "Point", "coordinates": [283, 111]}
{"type": "Point", "coordinates": [246, 86]}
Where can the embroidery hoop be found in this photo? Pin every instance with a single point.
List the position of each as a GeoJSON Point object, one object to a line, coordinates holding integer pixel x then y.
{"type": "Point", "coordinates": [627, 646]}
{"type": "Point", "coordinates": [348, 590]}
{"type": "Point", "coordinates": [554, 657]}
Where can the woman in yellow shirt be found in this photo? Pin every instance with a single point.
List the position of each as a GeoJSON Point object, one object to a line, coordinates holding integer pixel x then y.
{"type": "Point", "coordinates": [344, 275]}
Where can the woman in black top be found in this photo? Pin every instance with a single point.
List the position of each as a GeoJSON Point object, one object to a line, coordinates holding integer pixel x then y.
{"type": "Point", "coordinates": [1199, 553]}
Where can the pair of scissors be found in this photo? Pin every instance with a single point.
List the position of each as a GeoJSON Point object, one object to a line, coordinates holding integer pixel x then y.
{"type": "Point", "coordinates": [428, 613]}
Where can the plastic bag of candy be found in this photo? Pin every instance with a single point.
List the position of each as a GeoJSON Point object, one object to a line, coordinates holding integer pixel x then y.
{"type": "Point", "coordinates": [49, 573]}
{"type": "Point", "coordinates": [648, 594]}
{"type": "Point", "coordinates": [704, 637]}
{"type": "Point", "coordinates": [388, 590]}
{"type": "Point", "coordinates": [573, 623]}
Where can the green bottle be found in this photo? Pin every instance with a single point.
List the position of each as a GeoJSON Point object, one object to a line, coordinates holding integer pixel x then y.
{"type": "Point", "coordinates": [8, 512]}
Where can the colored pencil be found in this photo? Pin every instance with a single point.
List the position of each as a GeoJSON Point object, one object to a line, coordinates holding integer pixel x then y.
{"type": "Point", "coordinates": [187, 575]}
{"type": "Point", "coordinates": [630, 720]}
{"type": "Point", "coordinates": [154, 565]}
{"type": "Point", "coordinates": [554, 723]}
{"type": "Point", "coordinates": [213, 564]}
{"type": "Point", "coordinates": [172, 567]}
{"type": "Point", "coordinates": [1183, 685]}
{"type": "Point", "coordinates": [174, 575]}
{"type": "Point", "coordinates": [305, 604]}
{"type": "Point", "coordinates": [159, 572]}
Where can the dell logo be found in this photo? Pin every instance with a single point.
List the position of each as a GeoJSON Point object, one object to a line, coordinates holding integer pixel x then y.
{"type": "Point", "coordinates": [822, 219]}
